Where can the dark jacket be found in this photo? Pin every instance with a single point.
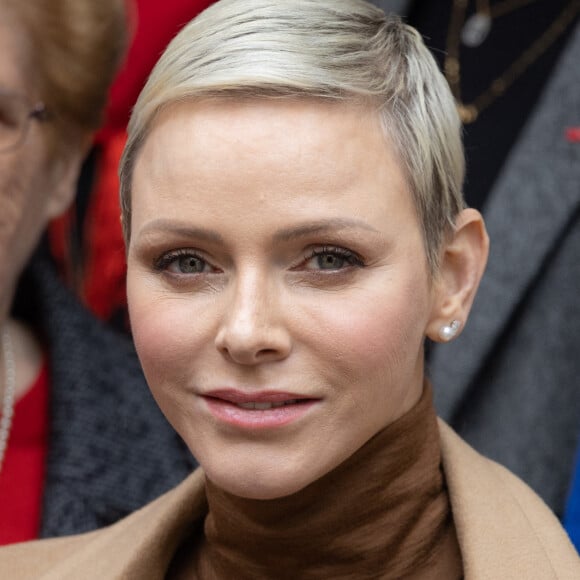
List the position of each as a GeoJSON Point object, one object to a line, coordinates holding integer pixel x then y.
{"type": "Point", "coordinates": [110, 448]}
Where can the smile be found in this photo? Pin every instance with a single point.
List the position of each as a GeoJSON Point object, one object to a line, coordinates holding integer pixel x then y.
{"type": "Point", "coordinates": [256, 411]}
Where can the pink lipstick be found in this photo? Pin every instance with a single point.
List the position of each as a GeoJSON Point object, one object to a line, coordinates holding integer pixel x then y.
{"type": "Point", "coordinates": [261, 410]}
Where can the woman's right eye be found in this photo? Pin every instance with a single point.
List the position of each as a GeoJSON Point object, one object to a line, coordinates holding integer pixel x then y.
{"type": "Point", "coordinates": [183, 263]}
{"type": "Point", "coordinates": [189, 265]}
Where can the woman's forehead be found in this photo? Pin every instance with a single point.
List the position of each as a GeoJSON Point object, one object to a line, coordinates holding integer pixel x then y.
{"type": "Point", "coordinates": [268, 161]}
{"type": "Point", "coordinates": [225, 127]}
{"type": "Point", "coordinates": [295, 140]}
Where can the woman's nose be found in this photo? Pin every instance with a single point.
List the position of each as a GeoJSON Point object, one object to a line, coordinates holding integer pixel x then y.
{"type": "Point", "coordinates": [253, 330]}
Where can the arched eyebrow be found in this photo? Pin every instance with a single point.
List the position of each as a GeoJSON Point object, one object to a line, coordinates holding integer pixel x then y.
{"type": "Point", "coordinates": [182, 229]}
{"type": "Point", "coordinates": [185, 230]}
{"type": "Point", "coordinates": [322, 227]}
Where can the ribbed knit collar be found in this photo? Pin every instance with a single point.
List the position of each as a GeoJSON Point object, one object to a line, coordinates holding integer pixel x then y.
{"type": "Point", "coordinates": [383, 513]}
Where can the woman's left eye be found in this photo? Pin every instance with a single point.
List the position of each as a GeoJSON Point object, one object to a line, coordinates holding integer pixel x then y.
{"type": "Point", "coordinates": [332, 259]}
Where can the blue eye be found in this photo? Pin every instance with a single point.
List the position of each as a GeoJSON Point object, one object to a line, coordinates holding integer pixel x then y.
{"type": "Point", "coordinates": [190, 264]}
{"type": "Point", "coordinates": [329, 261]}
{"type": "Point", "coordinates": [182, 262]}
{"type": "Point", "coordinates": [334, 258]}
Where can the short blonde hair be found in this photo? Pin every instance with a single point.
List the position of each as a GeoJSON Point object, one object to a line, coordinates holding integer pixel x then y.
{"type": "Point", "coordinates": [336, 50]}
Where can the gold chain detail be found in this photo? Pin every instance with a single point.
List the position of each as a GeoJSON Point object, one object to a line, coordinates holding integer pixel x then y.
{"type": "Point", "coordinates": [508, 6]}
{"type": "Point", "coordinates": [452, 68]}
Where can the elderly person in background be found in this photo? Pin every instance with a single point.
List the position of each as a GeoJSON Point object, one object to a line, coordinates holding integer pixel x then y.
{"type": "Point", "coordinates": [291, 192]}
{"type": "Point", "coordinates": [81, 441]}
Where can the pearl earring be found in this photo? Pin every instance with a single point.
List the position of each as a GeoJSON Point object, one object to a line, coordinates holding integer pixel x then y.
{"type": "Point", "coordinates": [447, 332]}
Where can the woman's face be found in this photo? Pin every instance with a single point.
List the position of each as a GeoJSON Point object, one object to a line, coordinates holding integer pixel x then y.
{"type": "Point", "coordinates": [31, 181]}
{"type": "Point", "coordinates": [278, 286]}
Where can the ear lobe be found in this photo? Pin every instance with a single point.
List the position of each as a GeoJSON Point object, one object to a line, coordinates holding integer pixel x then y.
{"type": "Point", "coordinates": [463, 261]}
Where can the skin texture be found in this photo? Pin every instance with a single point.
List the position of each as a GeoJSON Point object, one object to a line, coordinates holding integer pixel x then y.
{"type": "Point", "coordinates": [34, 187]}
{"type": "Point", "coordinates": [238, 278]}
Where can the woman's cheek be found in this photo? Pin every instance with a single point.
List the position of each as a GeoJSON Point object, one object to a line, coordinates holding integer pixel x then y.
{"type": "Point", "coordinates": [364, 331]}
{"type": "Point", "coordinates": [166, 357]}
{"type": "Point", "coordinates": [161, 333]}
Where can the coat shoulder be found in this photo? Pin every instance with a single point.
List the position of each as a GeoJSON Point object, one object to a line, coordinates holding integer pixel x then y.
{"type": "Point", "coordinates": [32, 560]}
{"type": "Point", "coordinates": [504, 529]}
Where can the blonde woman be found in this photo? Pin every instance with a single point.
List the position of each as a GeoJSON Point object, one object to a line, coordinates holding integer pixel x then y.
{"type": "Point", "coordinates": [291, 194]}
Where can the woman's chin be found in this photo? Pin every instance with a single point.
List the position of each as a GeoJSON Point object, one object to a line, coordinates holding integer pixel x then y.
{"type": "Point", "coordinates": [252, 485]}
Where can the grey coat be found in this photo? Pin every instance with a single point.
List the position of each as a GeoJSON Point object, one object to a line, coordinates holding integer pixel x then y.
{"type": "Point", "coordinates": [510, 385]}
{"type": "Point", "coordinates": [110, 449]}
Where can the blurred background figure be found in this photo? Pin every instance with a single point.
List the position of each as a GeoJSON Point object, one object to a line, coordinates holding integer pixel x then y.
{"type": "Point", "coordinates": [81, 440]}
{"type": "Point", "coordinates": [87, 241]}
{"type": "Point", "coordinates": [514, 392]}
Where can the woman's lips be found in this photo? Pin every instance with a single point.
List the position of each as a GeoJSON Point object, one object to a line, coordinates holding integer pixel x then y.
{"type": "Point", "coordinates": [263, 410]}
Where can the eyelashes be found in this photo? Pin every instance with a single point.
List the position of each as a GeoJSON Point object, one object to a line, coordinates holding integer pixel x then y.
{"type": "Point", "coordinates": [190, 262]}
{"type": "Point", "coordinates": [184, 262]}
{"type": "Point", "coordinates": [332, 258]}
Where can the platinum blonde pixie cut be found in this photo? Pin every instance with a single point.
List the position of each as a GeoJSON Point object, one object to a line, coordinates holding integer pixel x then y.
{"type": "Point", "coordinates": [329, 50]}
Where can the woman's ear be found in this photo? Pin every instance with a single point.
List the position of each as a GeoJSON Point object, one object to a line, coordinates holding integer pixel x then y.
{"type": "Point", "coordinates": [462, 262]}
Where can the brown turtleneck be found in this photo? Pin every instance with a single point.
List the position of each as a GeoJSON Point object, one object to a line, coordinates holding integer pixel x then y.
{"type": "Point", "coordinates": [384, 513]}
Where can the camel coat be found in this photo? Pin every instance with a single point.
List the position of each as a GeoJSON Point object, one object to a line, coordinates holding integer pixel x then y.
{"type": "Point", "coordinates": [504, 530]}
